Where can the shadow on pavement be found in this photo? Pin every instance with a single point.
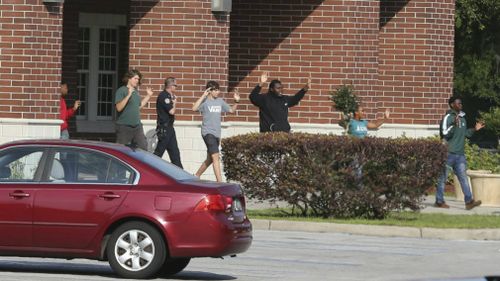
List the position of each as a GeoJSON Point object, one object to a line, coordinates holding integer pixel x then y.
{"type": "Point", "coordinates": [57, 267]}
{"type": "Point", "coordinates": [103, 270]}
{"type": "Point", "coordinates": [199, 275]}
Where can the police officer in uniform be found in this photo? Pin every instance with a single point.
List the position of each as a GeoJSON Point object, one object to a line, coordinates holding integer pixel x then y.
{"type": "Point", "coordinates": [165, 108]}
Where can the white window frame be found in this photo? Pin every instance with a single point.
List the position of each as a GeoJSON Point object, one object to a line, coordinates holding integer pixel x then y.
{"type": "Point", "coordinates": [91, 122]}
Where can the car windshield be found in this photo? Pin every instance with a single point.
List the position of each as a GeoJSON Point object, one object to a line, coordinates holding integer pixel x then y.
{"type": "Point", "coordinates": [161, 165]}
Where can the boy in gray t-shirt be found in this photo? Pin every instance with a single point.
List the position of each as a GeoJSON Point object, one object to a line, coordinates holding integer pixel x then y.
{"type": "Point", "coordinates": [212, 107]}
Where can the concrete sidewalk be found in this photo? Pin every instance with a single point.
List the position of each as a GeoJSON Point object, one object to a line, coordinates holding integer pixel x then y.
{"type": "Point", "coordinates": [456, 208]}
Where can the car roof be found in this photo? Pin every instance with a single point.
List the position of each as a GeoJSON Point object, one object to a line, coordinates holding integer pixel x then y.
{"type": "Point", "coordinates": [70, 143]}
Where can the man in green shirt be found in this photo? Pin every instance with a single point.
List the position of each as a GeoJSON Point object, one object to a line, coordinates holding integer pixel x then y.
{"type": "Point", "coordinates": [453, 131]}
{"type": "Point", "coordinates": [128, 103]}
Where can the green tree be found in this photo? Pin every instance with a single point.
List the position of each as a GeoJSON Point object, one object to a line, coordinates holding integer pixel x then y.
{"type": "Point", "coordinates": [345, 101]}
{"type": "Point", "coordinates": [477, 60]}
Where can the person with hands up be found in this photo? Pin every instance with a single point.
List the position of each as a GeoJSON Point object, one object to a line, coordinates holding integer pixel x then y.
{"type": "Point", "coordinates": [358, 126]}
{"type": "Point", "coordinates": [165, 109]}
{"type": "Point", "coordinates": [64, 112]}
{"type": "Point", "coordinates": [128, 102]}
{"type": "Point", "coordinates": [453, 131]}
{"type": "Point", "coordinates": [211, 106]}
{"type": "Point", "coordinates": [273, 105]}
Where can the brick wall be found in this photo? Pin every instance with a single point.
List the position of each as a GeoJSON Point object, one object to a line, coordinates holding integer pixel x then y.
{"type": "Point", "coordinates": [334, 41]}
{"type": "Point", "coordinates": [398, 54]}
{"type": "Point", "coordinates": [178, 38]}
{"type": "Point", "coordinates": [72, 10]}
{"type": "Point", "coordinates": [30, 59]}
{"type": "Point", "coordinates": [416, 59]}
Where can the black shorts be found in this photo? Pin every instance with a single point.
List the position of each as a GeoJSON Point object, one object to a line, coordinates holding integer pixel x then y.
{"type": "Point", "coordinates": [212, 143]}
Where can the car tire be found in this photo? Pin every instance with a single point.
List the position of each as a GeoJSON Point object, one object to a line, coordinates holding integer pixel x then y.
{"type": "Point", "coordinates": [136, 250]}
{"type": "Point", "coordinates": [174, 265]}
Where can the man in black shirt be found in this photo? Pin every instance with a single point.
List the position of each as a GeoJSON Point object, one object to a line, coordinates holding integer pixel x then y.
{"type": "Point", "coordinates": [273, 106]}
{"type": "Point", "coordinates": [165, 108]}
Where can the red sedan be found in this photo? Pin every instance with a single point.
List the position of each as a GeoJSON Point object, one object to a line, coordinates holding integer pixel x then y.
{"type": "Point", "coordinates": [105, 201]}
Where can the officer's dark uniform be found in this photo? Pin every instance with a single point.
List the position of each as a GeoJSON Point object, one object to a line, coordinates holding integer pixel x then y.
{"type": "Point", "coordinates": [165, 129]}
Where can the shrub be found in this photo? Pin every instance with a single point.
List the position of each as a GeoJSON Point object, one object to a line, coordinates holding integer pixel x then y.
{"type": "Point", "coordinates": [492, 120]}
{"type": "Point", "coordinates": [481, 159]}
{"type": "Point", "coordinates": [318, 174]}
{"type": "Point", "coordinates": [345, 101]}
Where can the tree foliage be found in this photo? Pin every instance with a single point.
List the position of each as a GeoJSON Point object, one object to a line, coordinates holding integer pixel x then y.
{"type": "Point", "coordinates": [477, 57]}
{"type": "Point", "coordinates": [345, 101]}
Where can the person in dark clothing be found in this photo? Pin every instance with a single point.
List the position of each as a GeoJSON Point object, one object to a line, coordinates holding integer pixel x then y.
{"type": "Point", "coordinates": [165, 108]}
{"type": "Point", "coordinates": [273, 106]}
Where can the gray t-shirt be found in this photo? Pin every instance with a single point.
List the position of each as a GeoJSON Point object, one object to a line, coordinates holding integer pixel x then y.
{"type": "Point", "coordinates": [211, 110]}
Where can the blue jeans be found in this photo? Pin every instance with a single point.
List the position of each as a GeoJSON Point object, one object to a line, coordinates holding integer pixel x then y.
{"type": "Point", "coordinates": [64, 134]}
{"type": "Point", "coordinates": [459, 165]}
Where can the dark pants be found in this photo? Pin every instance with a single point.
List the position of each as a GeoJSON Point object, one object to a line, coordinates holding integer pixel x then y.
{"type": "Point", "coordinates": [167, 140]}
{"type": "Point", "coordinates": [212, 142]}
{"type": "Point", "coordinates": [130, 135]}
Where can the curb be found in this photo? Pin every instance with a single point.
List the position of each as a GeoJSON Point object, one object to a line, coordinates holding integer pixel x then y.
{"type": "Point", "coordinates": [378, 230]}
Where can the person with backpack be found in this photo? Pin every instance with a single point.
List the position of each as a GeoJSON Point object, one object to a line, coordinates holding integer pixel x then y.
{"type": "Point", "coordinates": [453, 131]}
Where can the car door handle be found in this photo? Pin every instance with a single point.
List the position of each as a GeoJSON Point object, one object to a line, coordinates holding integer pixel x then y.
{"type": "Point", "coordinates": [19, 194]}
{"type": "Point", "coordinates": [109, 196]}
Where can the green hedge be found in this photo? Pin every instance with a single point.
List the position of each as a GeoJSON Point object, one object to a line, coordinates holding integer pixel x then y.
{"type": "Point", "coordinates": [320, 174]}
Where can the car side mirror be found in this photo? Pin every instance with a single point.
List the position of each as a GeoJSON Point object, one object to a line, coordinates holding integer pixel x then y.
{"type": "Point", "coordinates": [5, 172]}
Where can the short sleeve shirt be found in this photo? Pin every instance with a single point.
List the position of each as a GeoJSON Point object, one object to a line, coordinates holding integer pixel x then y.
{"type": "Point", "coordinates": [130, 115]}
{"type": "Point", "coordinates": [164, 104]}
{"type": "Point", "coordinates": [358, 128]}
{"type": "Point", "coordinates": [211, 109]}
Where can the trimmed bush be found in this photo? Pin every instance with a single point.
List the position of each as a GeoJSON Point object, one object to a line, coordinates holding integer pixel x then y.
{"type": "Point", "coordinates": [334, 176]}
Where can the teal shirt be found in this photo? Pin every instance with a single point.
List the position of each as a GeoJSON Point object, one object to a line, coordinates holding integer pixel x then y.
{"type": "Point", "coordinates": [358, 128]}
{"type": "Point", "coordinates": [130, 115]}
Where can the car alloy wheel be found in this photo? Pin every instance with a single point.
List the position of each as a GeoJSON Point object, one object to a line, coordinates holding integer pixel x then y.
{"type": "Point", "coordinates": [136, 250]}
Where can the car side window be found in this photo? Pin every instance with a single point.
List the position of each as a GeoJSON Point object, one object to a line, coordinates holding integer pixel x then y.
{"type": "Point", "coordinates": [119, 173]}
{"type": "Point", "coordinates": [84, 166]}
{"type": "Point", "coordinates": [20, 164]}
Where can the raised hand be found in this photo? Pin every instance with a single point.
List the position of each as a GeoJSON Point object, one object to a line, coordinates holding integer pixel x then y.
{"type": "Point", "coordinates": [149, 91]}
{"type": "Point", "coordinates": [309, 83]}
{"type": "Point", "coordinates": [76, 105]}
{"type": "Point", "coordinates": [387, 114]}
{"type": "Point", "coordinates": [236, 96]}
{"type": "Point", "coordinates": [479, 125]}
{"type": "Point", "coordinates": [207, 91]}
{"type": "Point", "coordinates": [263, 77]}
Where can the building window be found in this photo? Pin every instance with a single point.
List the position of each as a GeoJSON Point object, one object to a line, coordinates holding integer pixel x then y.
{"type": "Point", "coordinates": [98, 58]}
{"type": "Point", "coordinates": [83, 68]}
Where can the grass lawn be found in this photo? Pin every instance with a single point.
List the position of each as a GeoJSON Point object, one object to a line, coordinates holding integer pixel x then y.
{"type": "Point", "coordinates": [412, 219]}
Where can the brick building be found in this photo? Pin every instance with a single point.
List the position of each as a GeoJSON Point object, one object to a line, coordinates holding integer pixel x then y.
{"type": "Point", "coordinates": [397, 54]}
